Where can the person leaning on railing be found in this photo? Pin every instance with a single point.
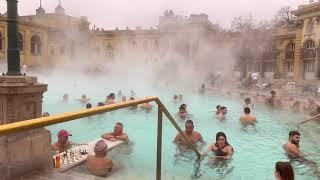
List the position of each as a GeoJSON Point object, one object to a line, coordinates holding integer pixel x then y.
{"type": "Point", "coordinates": [117, 134]}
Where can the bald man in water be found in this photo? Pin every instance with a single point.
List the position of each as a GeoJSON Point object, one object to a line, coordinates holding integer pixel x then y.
{"type": "Point", "coordinates": [117, 134]}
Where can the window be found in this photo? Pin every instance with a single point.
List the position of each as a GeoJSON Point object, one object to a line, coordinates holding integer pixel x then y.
{"type": "Point", "coordinates": [134, 44]}
{"type": "Point", "coordinates": [269, 67]}
{"type": "Point", "coordinates": [1, 42]}
{"type": "Point", "coordinates": [309, 44]}
{"type": "Point", "coordinates": [237, 67]}
{"type": "Point", "coordinates": [290, 51]}
{"type": "Point", "coordinates": [256, 67]}
{"type": "Point", "coordinates": [309, 50]}
{"type": "Point", "coordinates": [249, 67]}
{"type": "Point", "coordinates": [290, 66]}
{"type": "Point", "coordinates": [309, 66]}
{"type": "Point", "coordinates": [291, 47]}
{"type": "Point", "coordinates": [35, 45]}
{"type": "Point", "coordinates": [20, 42]}
{"type": "Point", "coordinates": [62, 50]}
{"type": "Point", "coordinates": [156, 44]}
{"type": "Point", "coordinates": [109, 51]}
{"type": "Point", "coordinates": [145, 44]}
{"type": "Point", "coordinates": [52, 51]}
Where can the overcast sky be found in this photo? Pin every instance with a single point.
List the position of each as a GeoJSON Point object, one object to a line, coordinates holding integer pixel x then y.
{"type": "Point", "coordinates": [110, 14]}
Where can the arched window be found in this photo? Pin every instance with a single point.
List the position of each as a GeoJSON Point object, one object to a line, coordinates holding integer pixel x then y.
{"type": "Point", "coordinates": [309, 44]}
{"type": "Point", "coordinates": [109, 51]}
{"type": "Point", "coordinates": [309, 50]}
{"type": "Point", "coordinates": [20, 42]}
{"type": "Point", "coordinates": [35, 45]}
{"type": "Point", "coordinates": [1, 42]}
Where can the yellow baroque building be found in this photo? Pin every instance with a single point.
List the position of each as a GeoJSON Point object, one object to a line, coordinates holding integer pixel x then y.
{"type": "Point", "coordinates": [299, 44]}
{"type": "Point", "coordinates": [294, 50]}
{"type": "Point", "coordinates": [55, 38]}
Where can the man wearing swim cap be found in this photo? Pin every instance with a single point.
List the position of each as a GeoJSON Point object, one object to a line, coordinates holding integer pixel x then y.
{"type": "Point", "coordinates": [98, 164]}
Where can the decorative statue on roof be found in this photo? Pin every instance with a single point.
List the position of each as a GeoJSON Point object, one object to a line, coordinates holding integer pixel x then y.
{"type": "Point", "coordinates": [168, 13]}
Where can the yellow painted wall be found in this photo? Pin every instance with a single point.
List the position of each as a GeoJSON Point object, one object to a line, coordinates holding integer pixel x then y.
{"type": "Point", "coordinates": [27, 31]}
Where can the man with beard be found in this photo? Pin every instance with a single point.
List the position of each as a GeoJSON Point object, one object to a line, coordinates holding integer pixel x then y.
{"type": "Point", "coordinates": [292, 146]}
{"type": "Point", "coordinates": [293, 152]}
{"type": "Point", "coordinates": [193, 136]}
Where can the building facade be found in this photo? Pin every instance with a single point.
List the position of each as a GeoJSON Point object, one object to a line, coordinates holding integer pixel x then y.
{"type": "Point", "coordinates": [292, 53]}
{"type": "Point", "coordinates": [56, 38]}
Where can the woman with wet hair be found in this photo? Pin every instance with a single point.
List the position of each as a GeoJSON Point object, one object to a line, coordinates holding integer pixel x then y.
{"type": "Point", "coordinates": [284, 171]}
{"type": "Point", "coordinates": [221, 148]}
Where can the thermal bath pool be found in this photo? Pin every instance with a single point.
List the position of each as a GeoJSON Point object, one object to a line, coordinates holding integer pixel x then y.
{"type": "Point", "coordinates": [256, 148]}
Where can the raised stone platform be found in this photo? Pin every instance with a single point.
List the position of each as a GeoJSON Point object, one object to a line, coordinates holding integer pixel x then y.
{"type": "Point", "coordinates": [21, 99]}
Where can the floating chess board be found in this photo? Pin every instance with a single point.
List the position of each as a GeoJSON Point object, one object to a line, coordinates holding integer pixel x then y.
{"type": "Point", "coordinates": [79, 154]}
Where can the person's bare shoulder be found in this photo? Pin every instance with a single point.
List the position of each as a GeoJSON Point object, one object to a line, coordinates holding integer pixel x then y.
{"type": "Point", "coordinates": [54, 146]}
{"type": "Point", "coordinates": [108, 163]}
{"type": "Point", "coordinates": [196, 133]}
{"type": "Point", "coordinates": [288, 147]}
{"type": "Point", "coordinates": [254, 118]}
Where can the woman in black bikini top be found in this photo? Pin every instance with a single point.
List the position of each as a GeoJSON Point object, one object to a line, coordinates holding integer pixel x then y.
{"type": "Point", "coordinates": [220, 145]}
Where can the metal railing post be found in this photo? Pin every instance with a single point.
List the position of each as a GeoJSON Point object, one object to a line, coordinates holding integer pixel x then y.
{"type": "Point", "coordinates": [159, 143]}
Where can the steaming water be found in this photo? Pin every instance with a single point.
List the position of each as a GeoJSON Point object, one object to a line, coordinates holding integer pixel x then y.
{"type": "Point", "coordinates": [257, 148]}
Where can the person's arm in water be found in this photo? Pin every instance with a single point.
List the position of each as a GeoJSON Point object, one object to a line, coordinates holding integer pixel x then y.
{"type": "Point", "coordinates": [54, 147]}
{"type": "Point", "coordinates": [177, 139]}
{"type": "Point", "coordinates": [122, 137]}
{"type": "Point", "coordinates": [205, 153]}
{"type": "Point", "coordinates": [76, 144]}
{"type": "Point", "coordinates": [293, 151]}
{"type": "Point", "coordinates": [201, 140]}
{"type": "Point", "coordinates": [230, 152]}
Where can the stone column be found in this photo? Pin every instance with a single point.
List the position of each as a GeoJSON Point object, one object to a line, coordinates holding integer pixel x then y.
{"type": "Point", "coordinates": [21, 99]}
{"type": "Point", "coordinates": [298, 64]}
{"type": "Point", "coordinates": [317, 65]}
{"type": "Point", "coordinates": [280, 62]}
